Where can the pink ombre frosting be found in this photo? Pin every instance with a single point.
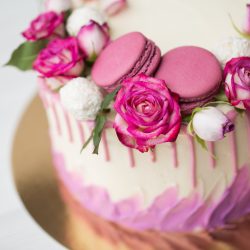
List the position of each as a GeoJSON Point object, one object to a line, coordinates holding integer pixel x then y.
{"type": "Point", "coordinates": [44, 26]}
{"type": "Point", "coordinates": [60, 58]}
{"type": "Point", "coordinates": [168, 212]}
{"type": "Point", "coordinates": [237, 82]}
{"type": "Point", "coordinates": [147, 114]}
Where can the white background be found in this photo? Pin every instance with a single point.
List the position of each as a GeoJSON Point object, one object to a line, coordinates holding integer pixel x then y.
{"type": "Point", "coordinates": [17, 228]}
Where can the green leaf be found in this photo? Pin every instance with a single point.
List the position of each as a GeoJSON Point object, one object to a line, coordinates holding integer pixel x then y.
{"type": "Point", "coordinates": [109, 98]}
{"type": "Point", "coordinates": [24, 56]}
{"type": "Point", "coordinates": [240, 111]}
{"type": "Point", "coordinates": [201, 142]}
{"type": "Point", "coordinates": [100, 121]}
{"type": "Point", "coordinates": [243, 34]}
{"type": "Point", "coordinates": [186, 119]}
{"type": "Point", "coordinates": [87, 142]}
{"type": "Point", "coordinates": [221, 96]}
{"type": "Point", "coordinates": [97, 132]}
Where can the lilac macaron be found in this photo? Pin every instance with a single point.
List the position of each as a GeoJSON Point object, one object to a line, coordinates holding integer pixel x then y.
{"type": "Point", "coordinates": [125, 57]}
{"type": "Point", "coordinates": [193, 73]}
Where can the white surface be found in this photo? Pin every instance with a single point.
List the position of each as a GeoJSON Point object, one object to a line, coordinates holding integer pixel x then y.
{"type": "Point", "coordinates": [17, 228]}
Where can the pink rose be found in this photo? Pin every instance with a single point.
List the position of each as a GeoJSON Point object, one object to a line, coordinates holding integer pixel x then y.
{"type": "Point", "coordinates": [45, 25]}
{"type": "Point", "coordinates": [147, 113]}
{"type": "Point", "coordinates": [92, 38]}
{"type": "Point", "coordinates": [60, 58]}
{"type": "Point", "coordinates": [237, 82]}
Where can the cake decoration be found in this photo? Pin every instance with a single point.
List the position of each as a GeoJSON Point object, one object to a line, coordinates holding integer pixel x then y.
{"type": "Point", "coordinates": [147, 113]}
{"type": "Point", "coordinates": [60, 58]}
{"type": "Point", "coordinates": [232, 47]}
{"type": "Point", "coordinates": [92, 39]}
{"type": "Point", "coordinates": [125, 57]}
{"type": "Point", "coordinates": [82, 98]}
{"type": "Point", "coordinates": [200, 77]}
{"type": "Point", "coordinates": [237, 82]}
{"type": "Point", "coordinates": [192, 73]}
{"type": "Point", "coordinates": [81, 17]}
{"type": "Point", "coordinates": [214, 131]}
{"type": "Point", "coordinates": [44, 26]}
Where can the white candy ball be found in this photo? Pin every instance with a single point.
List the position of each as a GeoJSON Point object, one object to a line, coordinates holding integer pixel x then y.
{"type": "Point", "coordinates": [81, 17]}
{"type": "Point", "coordinates": [230, 48]}
{"type": "Point", "coordinates": [82, 98]}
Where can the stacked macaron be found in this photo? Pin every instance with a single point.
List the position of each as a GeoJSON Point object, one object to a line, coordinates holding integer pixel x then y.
{"type": "Point", "coordinates": [191, 72]}
{"type": "Point", "coordinates": [125, 57]}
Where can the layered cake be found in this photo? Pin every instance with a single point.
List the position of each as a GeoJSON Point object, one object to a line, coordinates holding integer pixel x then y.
{"type": "Point", "coordinates": [148, 106]}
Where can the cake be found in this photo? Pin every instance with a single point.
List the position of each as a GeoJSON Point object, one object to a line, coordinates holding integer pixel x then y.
{"type": "Point", "coordinates": [168, 112]}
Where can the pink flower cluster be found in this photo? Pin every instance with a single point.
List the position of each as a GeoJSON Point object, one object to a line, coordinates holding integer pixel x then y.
{"type": "Point", "coordinates": [44, 26]}
{"type": "Point", "coordinates": [237, 82]}
{"type": "Point", "coordinates": [60, 58]}
{"type": "Point", "coordinates": [147, 113]}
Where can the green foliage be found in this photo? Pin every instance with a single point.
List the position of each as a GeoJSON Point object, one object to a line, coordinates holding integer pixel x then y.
{"type": "Point", "coordinates": [24, 56]}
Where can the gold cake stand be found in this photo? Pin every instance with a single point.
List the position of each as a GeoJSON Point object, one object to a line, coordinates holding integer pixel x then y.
{"type": "Point", "coordinates": [37, 185]}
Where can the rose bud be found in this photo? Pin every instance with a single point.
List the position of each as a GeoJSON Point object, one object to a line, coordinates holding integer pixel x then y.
{"type": "Point", "coordinates": [237, 82]}
{"type": "Point", "coordinates": [210, 124]}
{"type": "Point", "coordinates": [81, 98]}
{"type": "Point", "coordinates": [57, 5]}
{"type": "Point", "coordinates": [60, 58]}
{"type": "Point", "coordinates": [44, 26]}
{"type": "Point", "coordinates": [112, 7]}
{"type": "Point", "coordinates": [247, 21]}
{"type": "Point", "coordinates": [92, 39]}
{"type": "Point", "coordinates": [147, 113]}
{"type": "Point", "coordinates": [81, 17]}
{"type": "Point", "coordinates": [232, 47]}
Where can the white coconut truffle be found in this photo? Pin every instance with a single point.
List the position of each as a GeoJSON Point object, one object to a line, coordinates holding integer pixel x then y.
{"type": "Point", "coordinates": [82, 98]}
{"type": "Point", "coordinates": [81, 17]}
{"type": "Point", "coordinates": [230, 48]}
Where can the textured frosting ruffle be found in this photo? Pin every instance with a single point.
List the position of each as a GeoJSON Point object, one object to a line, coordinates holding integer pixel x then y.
{"type": "Point", "coordinates": [101, 234]}
{"type": "Point", "coordinates": [168, 212]}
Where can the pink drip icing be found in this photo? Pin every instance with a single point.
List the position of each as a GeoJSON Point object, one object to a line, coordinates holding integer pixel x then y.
{"type": "Point", "coordinates": [175, 155]}
{"type": "Point", "coordinates": [211, 148]}
{"type": "Point", "coordinates": [193, 160]}
{"type": "Point", "coordinates": [131, 157]}
{"type": "Point", "coordinates": [105, 145]}
{"type": "Point", "coordinates": [69, 129]}
{"type": "Point", "coordinates": [234, 152]}
{"type": "Point", "coordinates": [58, 126]}
{"type": "Point", "coordinates": [153, 155]}
{"type": "Point", "coordinates": [81, 132]}
{"type": "Point", "coordinates": [248, 128]}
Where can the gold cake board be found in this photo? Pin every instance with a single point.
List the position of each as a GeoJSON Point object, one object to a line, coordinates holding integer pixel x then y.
{"type": "Point", "coordinates": [37, 185]}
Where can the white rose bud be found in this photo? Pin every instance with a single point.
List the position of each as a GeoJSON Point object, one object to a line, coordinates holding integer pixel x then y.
{"type": "Point", "coordinates": [210, 124]}
{"type": "Point", "coordinates": [82, 98]}
{"type": "Point", "coordinates": [232, 47]}
{"type": "Point", "coordinates": [57, 5]}
{"type": "Point", "coordinates": [81, 17]}
{"type": "Point", "coordinates": [92, 39]}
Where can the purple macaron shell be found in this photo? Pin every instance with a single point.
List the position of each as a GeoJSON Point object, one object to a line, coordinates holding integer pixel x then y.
{"type": "Point", "coordinates": [191, 72]}
{"type": "Point", "coordinates": [125, 57]}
